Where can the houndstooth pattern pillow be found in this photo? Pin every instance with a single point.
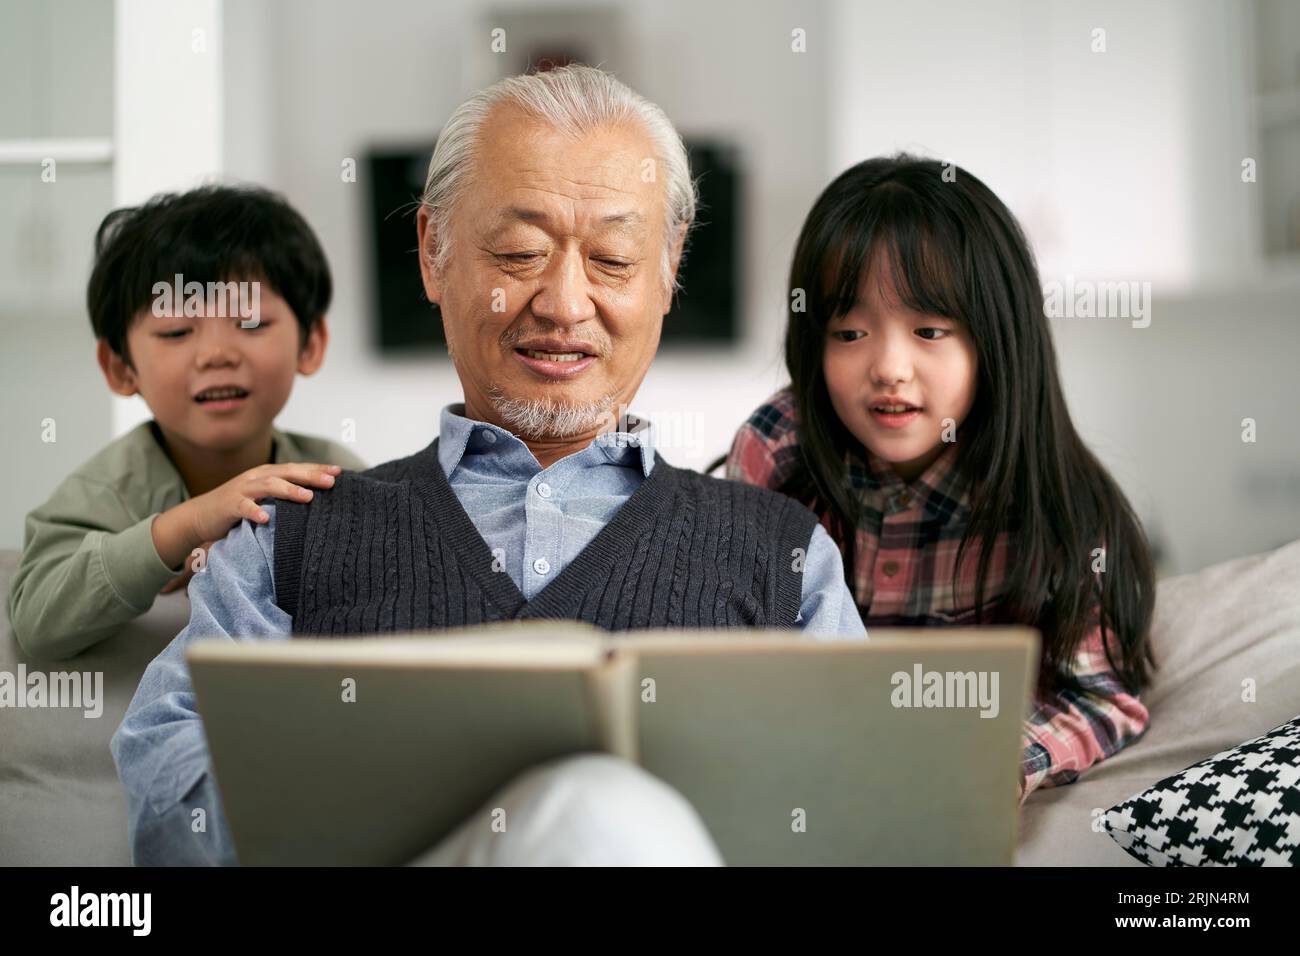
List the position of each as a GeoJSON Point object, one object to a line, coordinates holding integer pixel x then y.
{"type": "Point", "coordinates": [1237, 808]}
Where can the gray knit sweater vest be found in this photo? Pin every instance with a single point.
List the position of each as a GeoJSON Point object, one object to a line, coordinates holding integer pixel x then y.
{"type": "Point", "coordinates": [392, 549]}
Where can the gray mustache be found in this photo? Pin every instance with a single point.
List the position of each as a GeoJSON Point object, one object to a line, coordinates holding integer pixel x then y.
{"type": "Point", "coordinates": [601, 349]}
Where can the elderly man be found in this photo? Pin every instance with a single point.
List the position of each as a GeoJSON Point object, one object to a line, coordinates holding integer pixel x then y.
{"type": "Point", "coordinates": [552, 224]}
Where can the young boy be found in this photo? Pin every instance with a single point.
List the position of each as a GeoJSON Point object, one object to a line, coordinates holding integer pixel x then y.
{"type": "Point", "coordinates": [206, 304]}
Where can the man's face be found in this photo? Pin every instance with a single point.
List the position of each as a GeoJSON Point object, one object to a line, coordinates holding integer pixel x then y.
{"type": "Point", "coordinates": [554, 294]}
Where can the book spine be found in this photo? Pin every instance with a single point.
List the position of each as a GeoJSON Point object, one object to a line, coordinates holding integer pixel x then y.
{"type": "Point", "coordinates": [612, 689]}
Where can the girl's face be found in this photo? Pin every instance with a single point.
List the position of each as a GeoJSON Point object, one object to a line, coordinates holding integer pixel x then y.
{"type": "Point", "coordinates": [881, 353]}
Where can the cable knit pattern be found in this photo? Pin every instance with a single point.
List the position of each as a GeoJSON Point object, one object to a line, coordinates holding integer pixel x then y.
{"type": "Point", "coordinates": [392, 549]}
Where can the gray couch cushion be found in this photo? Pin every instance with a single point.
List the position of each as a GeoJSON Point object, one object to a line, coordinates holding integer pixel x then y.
{"type": "Point", "coordinates": [60, 799]}
{"type": "Point", "coordinates": [1217, 633]}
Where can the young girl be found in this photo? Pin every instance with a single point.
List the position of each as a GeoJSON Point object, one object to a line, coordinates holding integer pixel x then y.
{"type": "Point", "coordinates": [926, 425]}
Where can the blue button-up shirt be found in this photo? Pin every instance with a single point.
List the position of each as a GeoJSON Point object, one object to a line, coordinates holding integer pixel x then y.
{"type": "Point", "coordinates": [536, 520]}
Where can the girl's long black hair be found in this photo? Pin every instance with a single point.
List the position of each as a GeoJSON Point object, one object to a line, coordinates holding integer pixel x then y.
{"type": "Point", "coordinates": [957, 251]}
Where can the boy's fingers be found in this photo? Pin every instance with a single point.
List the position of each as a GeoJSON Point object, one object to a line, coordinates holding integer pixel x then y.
{"type": "Point", "coordinates": [279, 488]}
{"type": "Point", "coordinates": [306, 473]}
{"type": "Point", "coordinates": [250, 509]}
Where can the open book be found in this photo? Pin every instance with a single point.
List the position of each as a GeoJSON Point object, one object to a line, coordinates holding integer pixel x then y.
{"type": "Point", "coordinates": [901, 749]}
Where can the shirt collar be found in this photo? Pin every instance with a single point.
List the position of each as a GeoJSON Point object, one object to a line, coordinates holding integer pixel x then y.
{"type": "Point", "coordinates": [941, 488]}
{"type": "Point", "coordinates": [632, 445]}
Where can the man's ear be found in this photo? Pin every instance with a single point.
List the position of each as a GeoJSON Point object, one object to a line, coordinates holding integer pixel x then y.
{"type": "Point", "coordinates": [428, 249]}
{"type": "Point", "coordinates": [118, 373]}
{"type": "Point", "coordinates": [674, 260]}
{"type": "Point", "coordinates": [312, 354]}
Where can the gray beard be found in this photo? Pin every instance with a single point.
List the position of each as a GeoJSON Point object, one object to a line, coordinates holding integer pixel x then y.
{"type": "Point", "coordinates": [540, 418]}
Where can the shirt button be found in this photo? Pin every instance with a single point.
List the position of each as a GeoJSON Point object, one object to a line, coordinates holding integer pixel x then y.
{"type": "Point", "coordinates": [541, 566]}
{"type": "Point", "coordinates": [890, 568]}
{"type": "Point", "coordinates": [489, 436]}
{"type": "Point", "coordinates": [904, 498]}
{"type": "Point", "coordinates": [544, 490]}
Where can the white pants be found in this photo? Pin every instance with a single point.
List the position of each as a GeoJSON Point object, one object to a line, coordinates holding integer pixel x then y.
{"type": "Point", "coordinates": [588, 810]}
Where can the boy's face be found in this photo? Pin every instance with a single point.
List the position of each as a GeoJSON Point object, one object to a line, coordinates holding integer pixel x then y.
{"type": "Point", "coordinates": [881, 349]}
{"type": "Point", "coordinates": [175, 359]}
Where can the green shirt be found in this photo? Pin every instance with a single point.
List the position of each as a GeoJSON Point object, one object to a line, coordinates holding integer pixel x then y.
{"type": "Point", "coordinates": [89, 563]}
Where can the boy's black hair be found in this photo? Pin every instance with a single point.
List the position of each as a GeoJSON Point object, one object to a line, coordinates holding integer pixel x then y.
{"type": "Point", "coordinates": [210, 234]}
{"type": "Point", "coordinates": [957, 251]}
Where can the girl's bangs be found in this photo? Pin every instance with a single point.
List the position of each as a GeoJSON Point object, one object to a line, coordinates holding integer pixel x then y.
{"type": "Point", "coordinates": [924, 255]}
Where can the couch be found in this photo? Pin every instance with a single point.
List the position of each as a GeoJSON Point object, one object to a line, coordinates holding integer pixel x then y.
{"type": "Point", "coordinates": [61, 803]}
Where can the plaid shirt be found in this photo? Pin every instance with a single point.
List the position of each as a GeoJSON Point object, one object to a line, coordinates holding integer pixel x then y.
{"type": "Point", "coordinates": [907, 542]}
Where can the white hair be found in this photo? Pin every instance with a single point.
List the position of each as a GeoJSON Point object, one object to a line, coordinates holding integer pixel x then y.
{"type": "Point", "coordinates": [575, 100]}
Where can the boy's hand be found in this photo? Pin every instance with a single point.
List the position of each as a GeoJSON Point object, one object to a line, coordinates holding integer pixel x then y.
{"type": "Point", "coordinates": [215, 513]}
{"type": "Point", "coordinates": [194, 563]}
{"type": "Point", "coordinates": [208, 517]}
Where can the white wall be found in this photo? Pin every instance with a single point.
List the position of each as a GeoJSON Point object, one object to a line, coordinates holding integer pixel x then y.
{"type": "Point", "coordinates": [1123, 163]}
{"type": "Point", "coordinates": [56, 73]}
